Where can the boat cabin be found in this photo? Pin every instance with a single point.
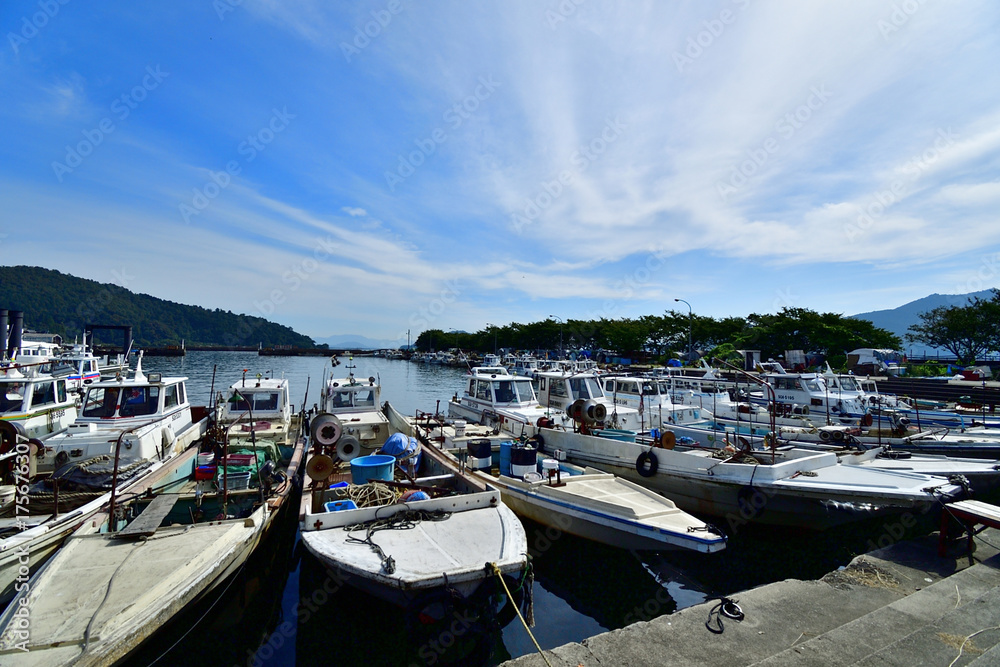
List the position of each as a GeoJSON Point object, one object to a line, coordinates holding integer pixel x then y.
{"type": "Point", "coordinates": [265, 401]}
{"type": "Point", "coordinates": [41, 404]}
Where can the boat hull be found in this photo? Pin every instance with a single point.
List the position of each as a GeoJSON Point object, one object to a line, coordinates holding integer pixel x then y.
{"type": "Point", "coordinates": [782, 495]}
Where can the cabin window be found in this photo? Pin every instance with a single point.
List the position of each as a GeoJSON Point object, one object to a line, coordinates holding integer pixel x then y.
{"type": "Point", "coordinates": [364, 398]}
{"type": "Point", "coordinates": [627, 388]}
{"type": "Point", "coordinates": [472, 387]}
{"type": "Point", "coordinates": [140, 401]}
{"type": "Point", "coordinates": [11, 397]}
{"type": "Point", "coordinates": [43, 393]}
{"type": "Point", "coordinates": [101, 402]}
{"type": "Point", "coordinates": [61, 391]}
{"type": "Point", "coordinates": [483, 390]}
{"type": "Point", "coordinates": [340, 399]}
{"type": "Point", "coordinates": [609, 385]}
{"type": "Point", "coordinates": [559, 389]}
{"type": "Point", "coordinates": [813, 385]}
{"type": "Point", "coordinates": [541, 384]}
{"type": "Point", "coordinates": [503, 390]}
{"type": "Point", "coordinates": [525, 392]}
{"type": "Point", "coordinates": [170, 396]}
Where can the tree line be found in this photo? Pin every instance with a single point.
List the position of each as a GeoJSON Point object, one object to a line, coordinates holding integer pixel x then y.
{"type": "Point", "coordinates": [657, 337]}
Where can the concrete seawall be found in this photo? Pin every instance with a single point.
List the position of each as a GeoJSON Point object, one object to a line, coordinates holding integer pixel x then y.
{"type": "Point", "coordinates": [902, 605]}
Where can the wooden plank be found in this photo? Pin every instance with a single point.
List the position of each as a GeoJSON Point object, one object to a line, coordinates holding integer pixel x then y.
{"type": "Point", "coordinates": [146, 523]}
{"type": "Point", "coordinates": [984, 512]}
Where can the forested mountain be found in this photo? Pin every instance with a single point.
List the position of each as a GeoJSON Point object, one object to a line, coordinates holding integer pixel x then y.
{"type": "Point", "coordinates": [56, 302]}
{"type": "Point", "coordinates": [899, 320]}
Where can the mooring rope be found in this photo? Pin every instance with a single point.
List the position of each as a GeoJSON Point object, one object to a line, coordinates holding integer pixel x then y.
{"type": "Point", "coordinates": [510, 598]}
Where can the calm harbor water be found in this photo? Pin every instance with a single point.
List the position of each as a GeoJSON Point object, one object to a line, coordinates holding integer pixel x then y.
{"type": "Point", "coordinates": [283, 609]}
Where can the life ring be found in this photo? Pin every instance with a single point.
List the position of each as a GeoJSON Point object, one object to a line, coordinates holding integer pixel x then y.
{"type": "Point", "coordinates": [646, 464]}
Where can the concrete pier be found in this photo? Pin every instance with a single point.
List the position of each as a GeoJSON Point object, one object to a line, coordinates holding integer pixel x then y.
{"type": "Point", "coordinates": [903, 605]}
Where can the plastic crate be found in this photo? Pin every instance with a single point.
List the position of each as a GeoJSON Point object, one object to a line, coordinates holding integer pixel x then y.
{"type": "Point", "coordinates": [338, 505]}
{"type": "Point", "coordinates": [205, 472]}
{"type": "Point", "coordinates": [235, 480]}
{"type": "Point", "coordinates": [240, 459]}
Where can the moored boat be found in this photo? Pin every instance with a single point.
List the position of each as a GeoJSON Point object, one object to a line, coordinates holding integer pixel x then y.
{"type": "Point", "coordinates": [402, 531]}
{"type": "Point", "coordinates": [160, 545]}
{"type": "Point", "coordinates": [803, 489]}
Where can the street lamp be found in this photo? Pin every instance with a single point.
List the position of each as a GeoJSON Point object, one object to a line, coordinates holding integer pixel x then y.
{"type": "Point", "coordinates": [560, 334]}
{"type": "Point", "coordinates": [690, 325]}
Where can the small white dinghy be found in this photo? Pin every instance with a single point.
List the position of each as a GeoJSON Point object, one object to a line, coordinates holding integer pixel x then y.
{"type": "Point", "coordinates": [443, 535]}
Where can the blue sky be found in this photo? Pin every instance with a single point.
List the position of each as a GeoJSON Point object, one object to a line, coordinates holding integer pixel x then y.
{"type": "Point", "coordinates": [375, 167]}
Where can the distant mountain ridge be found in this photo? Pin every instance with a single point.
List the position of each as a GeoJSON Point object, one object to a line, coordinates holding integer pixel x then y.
{"type": "Point", "coordinates": [359, 342]}
{"type": "Point", "coordinates": [59, 303]}
{"type": "Point", "coordinates": [898, 320]}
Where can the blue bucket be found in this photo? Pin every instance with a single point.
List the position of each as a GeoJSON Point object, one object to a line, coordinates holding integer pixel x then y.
{"type": "Point", "coordinates": [505, 448]}
{"type": "Point", "coordinates": [376, 466]}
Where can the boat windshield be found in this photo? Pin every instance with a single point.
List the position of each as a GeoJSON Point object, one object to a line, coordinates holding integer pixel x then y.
{"type": "Point", "coordinates": [849, 384]}
{"type": "Point", "coordinates": [813, 385]}
{"type": "Point", "coordinates": [264, 401]}
{"type": "Point", "coordinates": [525, 392]}
{"type": "Point", "coordinates": [586, 387]}
{"type": "Point", "coordinates": [365, 398]}
{"type": "Point", "coordinates": [503, 391]}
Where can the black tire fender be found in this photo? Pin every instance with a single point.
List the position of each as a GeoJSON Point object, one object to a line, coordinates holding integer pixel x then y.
{"type": "Point", "coordinates": [646, 464]}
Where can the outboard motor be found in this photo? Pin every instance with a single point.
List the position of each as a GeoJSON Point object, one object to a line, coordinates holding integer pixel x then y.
{"type": "Point", "coordinates": [480, 453]}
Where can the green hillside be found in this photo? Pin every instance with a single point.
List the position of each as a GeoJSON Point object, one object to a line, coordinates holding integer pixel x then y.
{"type": "Point", "coordinates": [56, 302]}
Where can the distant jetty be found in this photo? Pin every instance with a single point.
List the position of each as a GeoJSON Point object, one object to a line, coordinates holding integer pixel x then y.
{"type": "Point", "coordinates": [289, 351]}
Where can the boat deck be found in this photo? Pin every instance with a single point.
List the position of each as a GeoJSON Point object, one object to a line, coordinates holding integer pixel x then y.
{"type": "Point", "coordinates": [103, 589]}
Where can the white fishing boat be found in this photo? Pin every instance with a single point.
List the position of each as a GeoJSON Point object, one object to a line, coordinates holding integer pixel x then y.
{"type": "Point", "coordinates": [525, 366]}
{"type": "Point", "coordinates": [355, 406]}
{"type": "Point", "coordinates": [259, 408]}
{"type": "Point", "coordinates": [159, 546]}
{"type": "Point", "coordinates": [559, 391]}
{"type": "Point", "coordinates": [802, 489]}
{"type": "Point", "coordinates": [585, 502]}
{"type": "Point", "coordinates": [402, 532]}
{"type": "Point", "coordinates": [35, 404]}
{"type": "Point", "coordinates": [493, 397]}
{"type": "Point", "coordinates": [714, 433]}
{"type": "Point", "coordinates": [127, 428]}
